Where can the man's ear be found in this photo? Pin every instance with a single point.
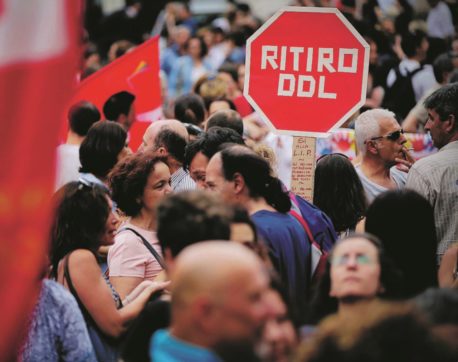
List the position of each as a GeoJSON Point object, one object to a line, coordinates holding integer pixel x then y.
{"type": "Point", "coordinates": [162, 151]}
{"type": "Point", "coordinates": [450, 124]}
{"type": "Point", "coordinates": [371, 148]}
{"type": "Point", "coordinates": [239, 183]}
{"type": "Point", "coordinates": [203, 311]}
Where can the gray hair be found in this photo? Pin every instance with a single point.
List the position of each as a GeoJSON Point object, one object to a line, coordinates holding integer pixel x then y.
{"type": "Point", "coordinates": [367, 126]}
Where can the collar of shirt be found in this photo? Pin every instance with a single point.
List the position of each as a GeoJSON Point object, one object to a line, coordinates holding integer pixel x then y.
{"type": "Point", "coordinates": [181, 180]}
{"type": "Point", "coordinates": [165, 347]}
{"type": "Point", "coordinates": [449, 145]}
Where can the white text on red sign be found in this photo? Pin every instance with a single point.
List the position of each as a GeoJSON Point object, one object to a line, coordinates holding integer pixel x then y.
{"type": "Point", "coordinates": [307, 60]}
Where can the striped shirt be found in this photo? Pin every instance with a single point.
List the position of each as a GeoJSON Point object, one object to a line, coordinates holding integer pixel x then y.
{"type": "Point", "coordinates": [436, 178]}
{"type": "Point", "coordinates": [182, 181]}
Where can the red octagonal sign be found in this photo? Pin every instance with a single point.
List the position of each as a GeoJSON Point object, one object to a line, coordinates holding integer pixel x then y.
{"type": "Point", "coordinates": [306, 70]}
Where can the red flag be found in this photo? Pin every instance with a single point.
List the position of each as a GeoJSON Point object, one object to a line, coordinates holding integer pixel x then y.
{"type": "Point", "coordinates": [137, 72]}
{"type": "Point", "coordinates": [37, 67]}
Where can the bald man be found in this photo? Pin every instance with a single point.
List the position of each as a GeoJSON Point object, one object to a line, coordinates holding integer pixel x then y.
{"type": "Point", "coordinates": [152, 131]}
{"type": "Point", "coordinates": [169, 139]}
{"type": "Point", "coordinates": [219, 304]}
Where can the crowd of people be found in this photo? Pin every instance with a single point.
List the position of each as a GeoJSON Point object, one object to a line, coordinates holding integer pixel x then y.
{"type": "Point", "coordinates": [194, 248]}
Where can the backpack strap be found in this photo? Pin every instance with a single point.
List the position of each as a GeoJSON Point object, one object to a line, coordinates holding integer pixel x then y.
{"type": "Point", "coordinates": [397, 71]}
{"type": "Point", "coordinates": [159, 259]}
{"type": "Point", "coordinates": [415, 71]}
{"type": "Point", "coordinates": [409, 75]}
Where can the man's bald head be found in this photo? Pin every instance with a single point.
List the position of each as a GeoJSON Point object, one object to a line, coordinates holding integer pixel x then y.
{"type": "Point", "coordinates": [218, 288]}
{"type": "Point", "coordinates": [210, 267]}
{"type": "Point", "coordinates": [153, 130]}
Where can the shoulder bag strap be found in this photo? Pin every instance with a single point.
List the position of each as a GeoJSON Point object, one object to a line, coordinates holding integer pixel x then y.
{"type": "Point", "coordinates": [147, 245]}
{"type": "Point", "coordinates": [72, 289]}
{"type": "Point", "coordinates": [309, 271]}
{"type": "Point", "coordinates": [306, 227]}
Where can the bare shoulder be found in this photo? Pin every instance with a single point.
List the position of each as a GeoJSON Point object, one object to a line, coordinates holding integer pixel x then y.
{"type": "Point", "coordinates": [82, 258]}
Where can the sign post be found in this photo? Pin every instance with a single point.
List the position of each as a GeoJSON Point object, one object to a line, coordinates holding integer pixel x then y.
{"type": "Point", "coordinates": [306, 73]}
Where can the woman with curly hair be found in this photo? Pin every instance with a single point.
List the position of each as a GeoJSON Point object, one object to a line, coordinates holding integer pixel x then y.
{"type": "Point", "coordinates": [84, 221]}
{"type": "Point", "coordinates": [138, 183]}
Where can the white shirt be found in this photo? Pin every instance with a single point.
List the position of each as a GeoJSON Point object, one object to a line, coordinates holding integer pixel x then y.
{"type": "Point", "coordinates": [282, 145]}
{"type": "Point", "coordinates": [422, 81]}
{"type": "Point", "coordinates": [67, 164]}
{"type": "Point", "coordinates": [439, 21]}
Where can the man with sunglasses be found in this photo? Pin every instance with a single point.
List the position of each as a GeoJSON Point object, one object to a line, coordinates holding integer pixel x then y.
{"type": "Point", "coordinates": [380, 140]}
{"type": "Point", "coordinates": [436, 177]}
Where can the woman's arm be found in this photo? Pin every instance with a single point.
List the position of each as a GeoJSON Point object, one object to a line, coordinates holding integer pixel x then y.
{"type": "Point", "coordinates": [136, 292]}
{"type": "Point", "coordinates": [135, 306]}
{"type": "Point", "coordinates": [125, 285]}
{"type": "Point", "coordinates": [96, 295]}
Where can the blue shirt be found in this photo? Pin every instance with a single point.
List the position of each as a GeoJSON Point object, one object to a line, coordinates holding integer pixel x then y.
{"type": "Point", "coordinates": [289, 249]}
{"type": "Point", "coordinates": [57, 331]}
{"type": "Point", "coordinates": [166, 348]}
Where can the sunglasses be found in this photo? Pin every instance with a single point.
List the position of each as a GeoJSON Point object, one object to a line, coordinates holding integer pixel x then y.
{"type": "Point", "coordinates": [193, 129]}
{"type": "Point", "coordinates": [393, 136]}
{"type": "Point", "coordinates": [84, 183]}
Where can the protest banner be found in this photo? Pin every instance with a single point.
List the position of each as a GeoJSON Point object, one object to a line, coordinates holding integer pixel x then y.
{"type": "Point", "coordinates": [38, 43]}
{"type": "Point", "coordinates": [306, 74]}
{"type": "Point", "coordinates": [137, 72]}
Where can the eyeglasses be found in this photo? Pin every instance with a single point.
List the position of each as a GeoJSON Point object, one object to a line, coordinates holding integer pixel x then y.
{"type": "Point", "coordinates": [360, 259]}
{"type": "Point", "coordinates": [393, 136]}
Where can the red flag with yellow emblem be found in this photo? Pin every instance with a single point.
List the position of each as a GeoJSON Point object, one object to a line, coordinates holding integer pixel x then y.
{"type": "Point", "coordinates": [38, 47]}
{"type": "Point", "coordinates": [137, 72]}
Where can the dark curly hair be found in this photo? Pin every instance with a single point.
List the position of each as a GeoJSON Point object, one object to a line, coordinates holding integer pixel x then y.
{"type": "Point", "coordinates": [128, 180]}
{"type": "Point", "coordinates": [100, 149]}
{"type": "Point", "coordinates": [79, 221]}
